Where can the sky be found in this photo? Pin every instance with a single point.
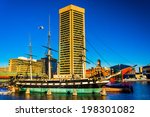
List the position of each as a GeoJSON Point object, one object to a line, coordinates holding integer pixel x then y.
{"type": "Point", "coordinates": [117, 31]}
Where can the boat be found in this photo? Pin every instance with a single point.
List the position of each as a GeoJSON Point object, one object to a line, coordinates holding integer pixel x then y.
{"type": "Point", "coordinates": [61, 86]}
{"type": "Point", "coordinates": [72, 85]}
{"type": "Point", "coordinates": [147, 75]}
{"type": "Point", "coordinates": [119, 84]}
{"type": "Point", "coordinates": [119, 87]}
{"type": "Point", "coordinates": [5, 91]}
{"type": "Point", "coordinates": [4, 79]}
{"type": "Point", "coordinates": [67, 85]}
{"type": "Point", "coordinates": [57, 85]}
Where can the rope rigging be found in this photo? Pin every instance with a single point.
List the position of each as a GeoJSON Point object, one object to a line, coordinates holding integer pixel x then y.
{"type": "Point", "coordinates": [117, 53]}
{"type": "Point", "coordinates": [98, 53]}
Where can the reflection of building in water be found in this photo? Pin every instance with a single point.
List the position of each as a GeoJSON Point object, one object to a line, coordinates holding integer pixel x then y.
{"type": "Point", "coordinates": [98, 71]}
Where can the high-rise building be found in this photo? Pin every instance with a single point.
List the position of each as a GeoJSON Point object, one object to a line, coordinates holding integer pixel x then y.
{"type": "Point", "coordinates": [72, 41]}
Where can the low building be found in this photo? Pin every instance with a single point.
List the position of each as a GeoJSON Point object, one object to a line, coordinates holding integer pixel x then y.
{"type": "Point", "coordinates": [129, 74]}
{"type": "Point", "coordinates": [3, 69]}
{"type": "Point", "coordinates": [146, 71]}
{"type": "Point", "coordinates": [21, 65]}
{"type": "Point", "coordinates": [98, 71]}
{"type": "Point", "coordinates": [119, 67]}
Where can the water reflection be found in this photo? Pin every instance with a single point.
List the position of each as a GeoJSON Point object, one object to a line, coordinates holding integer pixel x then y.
{"type": "Point", "coordinates": [44, 96]}
{"type": "Point", "coordinates": [141, 92]}
{"type": "Point", "coordinates": [103, 97]}
{"type": "Point", "coordinates": [74, 97]}
{"type": "Point", "coordinates": [49, 97]}
{"type": "Point", "coordinates": [27, 96]}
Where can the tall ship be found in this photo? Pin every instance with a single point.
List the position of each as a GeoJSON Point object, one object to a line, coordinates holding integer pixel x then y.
{"type": "Point", "coordinates": [71, 67]}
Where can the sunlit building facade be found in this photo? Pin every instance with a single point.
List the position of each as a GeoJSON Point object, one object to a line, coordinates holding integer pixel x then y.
{"type": "Point", "coordinates": [3, 69]}
{"type": "Point", "coordinates": [72, 41]}
{"type": "Point", "coordinates": [22, 66]}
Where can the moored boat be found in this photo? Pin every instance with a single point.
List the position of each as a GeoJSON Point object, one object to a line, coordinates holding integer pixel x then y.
{"type": "Point", "coordinates": [119, 87]}
{"type": "Point", "coordinates": [5, 91]}
{"type": "Point", "coordinates": [60, 86]}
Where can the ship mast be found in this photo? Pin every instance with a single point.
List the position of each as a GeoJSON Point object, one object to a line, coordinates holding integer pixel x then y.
{"type": "Point", "coordinates": [30, 58]}
{"type": "Point", "coordinates": [83, 61]}
{"type": "Point", "coordinates": [49, 50]}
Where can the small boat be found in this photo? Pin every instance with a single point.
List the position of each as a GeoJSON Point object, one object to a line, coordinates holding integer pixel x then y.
{"type": "Point", "coordinates": [4, 91]}
{"type": "Point", "coordinates": [118, 84]}
{"type": "Point", "coordinates": [119, 87]}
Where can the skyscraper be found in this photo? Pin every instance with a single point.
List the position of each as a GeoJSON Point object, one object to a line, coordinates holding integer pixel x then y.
{"type": "Point", "coordinates": [72, 41]}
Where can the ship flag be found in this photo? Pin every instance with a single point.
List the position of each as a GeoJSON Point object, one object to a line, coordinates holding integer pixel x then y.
{"type": "Point", "coordinates": [41, 27]}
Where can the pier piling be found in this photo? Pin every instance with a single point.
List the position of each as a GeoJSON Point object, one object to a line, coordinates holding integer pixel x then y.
{"type": "Point", "coordinates": [74, 92]}
{"type": "Point", "coordinates": [103, 92]}
{"type": "Point", "coordinates": [49, 92]}
{"type": "Point", "coordinates": [13, 89]}
{"type": "Point", "coordinates": [28, 91]}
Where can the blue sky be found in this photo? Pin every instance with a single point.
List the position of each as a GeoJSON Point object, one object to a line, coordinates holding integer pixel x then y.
{"type": "Point", "coordinates": [118, 29]}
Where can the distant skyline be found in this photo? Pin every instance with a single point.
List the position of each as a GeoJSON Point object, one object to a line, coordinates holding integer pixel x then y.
{"type": "Point", "coordinates": [119, 30]}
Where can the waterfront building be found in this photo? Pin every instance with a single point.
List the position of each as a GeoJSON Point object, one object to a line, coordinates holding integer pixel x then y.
{"type": "Point", "coordinates": [117, 68]}
{"type": "Point", "coordinates": [140, 69]}
{"type": "Point", "coordinates": [98, 71]}
{"type": "Point", "coordinates": [21, 65]}
{"type": "Point", "coordinates": [71, 42]}
{"type": "Point", "coordinates": [146, 71]}
{"type": "Point", "coordinates": [4, 75]}
{"type": "Point", "coordinates": [3, 69]}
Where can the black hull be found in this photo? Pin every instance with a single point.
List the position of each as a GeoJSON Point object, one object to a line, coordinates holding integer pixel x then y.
{"type": "Point", "coordinates": [148, 76]}
{"type": "Point", "coordinates": [59, 84]}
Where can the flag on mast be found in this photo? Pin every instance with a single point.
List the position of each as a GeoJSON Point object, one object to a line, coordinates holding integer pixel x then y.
{"type": "Point", "coordinates": [41, 27]}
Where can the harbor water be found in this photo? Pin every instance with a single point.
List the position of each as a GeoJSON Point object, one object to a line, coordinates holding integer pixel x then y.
{"type": "Point", "coordinates": [141, 92]}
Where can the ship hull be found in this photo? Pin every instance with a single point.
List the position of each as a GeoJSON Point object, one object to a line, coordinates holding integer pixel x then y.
{"type": "Point", "coordinates": [57, 86]}
{"type": "Point", "coordinates": [62, 90]}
